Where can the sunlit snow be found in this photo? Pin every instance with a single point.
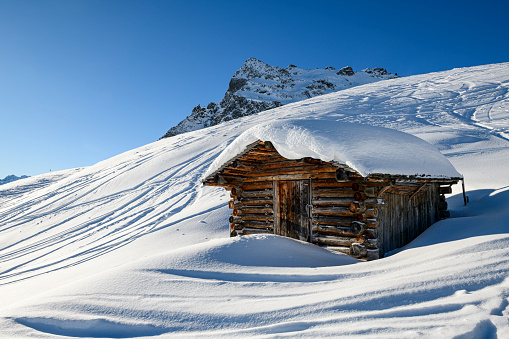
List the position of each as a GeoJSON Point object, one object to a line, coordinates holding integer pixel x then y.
{"type": "Point", "coordinates": [135, 246]}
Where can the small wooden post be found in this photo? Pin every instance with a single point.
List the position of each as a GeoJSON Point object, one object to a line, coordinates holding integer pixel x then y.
{"type": "Point", "coordinates": [465, 200]}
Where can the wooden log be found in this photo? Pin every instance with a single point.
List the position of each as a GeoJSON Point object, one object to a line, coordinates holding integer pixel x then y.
{"type": "Point", "coordinates": [268, 145]}
{"type": "Point", "coordinates": [257, 224]}
{"type": "Point", "coordinates": [333, 193]}
{"type": "Point", "coordinates": [357, 207]}
{"type": "Point", "coordinates": [342, 175]}
{"type": "Point", "coordinates": [374, 202]}
{"type": "Point", "coordinates": [257, 210]}
{"type": "Point", "coordinates": [317, 184]}
{"type": "Point", "coordinates": [332, 230]}
{"type": "Point", "coordinates": [224, 180]}
{"type": "Point", "coordinates": [241, 166]}
{"type": "Point", "coordinates": [344, 202]}
{"type": "Point", "coordinates": [333, 240]}
{"type": "Point", "coordinates": [334, 220]}
{"type": "Point", "coordinates": [266, 194]}
{"type": "Point", "coordinates": [372, 254]}
{"type": "Point", "coordinates": [371, 232]}
{"type": "Point", "coordinates": [358, 250]}
{"type": "Point", "coordinates": [371, 213]}
{"type": "Point", "coordinates": [373, 222]}
{"type": "Point", "coordinates": [360, 196]}
{"type": "Point", "coordinates": [333, 211]}
{"type": "Point", "coordinates": [371, 243]}
{"type": "Point", "coordinates": [257, 185]}
{"type": "Point", "coordinates": [290, 171]}
{"type": "Point", "coordinates": [232, 204]}
{"type": "Point", "coordinates": [235, 219]}
{"type": "Point", "coordinates": [370, 192]}
{"type": "Point", "coordinates": [248, 231]}
{"type": "Point", "coordinates": [302, 176]}
{"type": "Point", "coordinates": [289, 165]}
{"type": "Point", "coordinates": [258, 217]}
{"type": "Point", "coordinates": [357, 227]}
{"type": "Point", "coordinates": [260, 202]}
{"type": "Point", "coordinates": [233, 232]}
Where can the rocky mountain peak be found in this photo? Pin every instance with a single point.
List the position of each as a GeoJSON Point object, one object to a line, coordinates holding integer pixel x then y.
{"type": "Point", "coordinates": [258, 86]}
{"type": "Point", "coordinates": [11, 178]}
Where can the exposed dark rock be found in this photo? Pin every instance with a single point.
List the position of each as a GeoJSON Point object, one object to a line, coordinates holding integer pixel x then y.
{"type": "Point", "coordinates": [236, 84]}
{"type": "Point", "coordinates": [264, 87]}
{"type": "Point", "coordinates": [346, 71]}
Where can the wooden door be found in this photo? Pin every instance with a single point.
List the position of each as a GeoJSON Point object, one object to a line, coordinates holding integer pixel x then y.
{"type": "Point", "coordinates": [292, 216]}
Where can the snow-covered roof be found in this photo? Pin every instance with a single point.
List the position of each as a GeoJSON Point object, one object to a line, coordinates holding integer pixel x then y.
{"type": "Point", "coordinates": [366, 149]}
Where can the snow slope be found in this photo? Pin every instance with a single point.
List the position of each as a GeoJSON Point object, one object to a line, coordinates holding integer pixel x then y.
{"type": "Point", "coordinates": [134, 246]}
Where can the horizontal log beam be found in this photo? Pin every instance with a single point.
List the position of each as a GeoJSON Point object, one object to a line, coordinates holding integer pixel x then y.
{"type": "Point", "coordinates": [290, 177]}
{"type": "Point", "coordinates": [330, 184]}
{"type": "Point", "coordinates": [333, 240]}
{"type": "Point", "coordinates": [334, 220]}
{"type": "Point", "coordinates": [294, 170]}
{"type": "Point", "coordinates": [333, 193]}
{"type": "Point", "coordinates": [344, 202]}
{"type": "Point", "coordinates": [333, 230]}
{"type": "Point", "coordinates": [257, 185]}
{"type": "Point", "coordinates": [333, 211]}
{"type": "Point", "coordinates": [248, 231]}
{"type": "Point", "coordinates": [257, 210]}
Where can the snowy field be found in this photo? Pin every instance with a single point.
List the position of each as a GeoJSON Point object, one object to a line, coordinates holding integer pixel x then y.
{"type": "Point", "coordinates": [135, 246]}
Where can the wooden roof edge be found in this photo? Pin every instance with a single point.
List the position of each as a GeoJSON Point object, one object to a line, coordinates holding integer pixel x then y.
{"type": "Point", "coordinates": [417, 177]}
{"type": "Point", "coordinates": [375, 176]}
{"type": "Point", "coordinates": [223, 166]}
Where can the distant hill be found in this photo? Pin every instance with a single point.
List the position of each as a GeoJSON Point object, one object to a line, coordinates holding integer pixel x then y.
{"type": "Point", "coordinates": [257, 87]}
{"type": "Point", "coordinates": [11, 178]}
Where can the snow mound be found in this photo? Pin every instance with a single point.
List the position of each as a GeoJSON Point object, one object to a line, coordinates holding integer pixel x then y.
{"type": "Point", "coordinates": [367, 149]}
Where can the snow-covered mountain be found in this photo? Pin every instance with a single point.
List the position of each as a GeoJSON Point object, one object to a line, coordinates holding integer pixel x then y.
{"type": "Point", "coordinates": [136, 246]}
{"type": "Point", "coordinates": [257, 87]}
{"type": "Point", "coordinates": [11, 178]}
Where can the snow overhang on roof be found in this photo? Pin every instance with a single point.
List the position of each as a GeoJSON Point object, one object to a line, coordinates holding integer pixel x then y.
{"type": "Point", "coordinates": [367, 149]}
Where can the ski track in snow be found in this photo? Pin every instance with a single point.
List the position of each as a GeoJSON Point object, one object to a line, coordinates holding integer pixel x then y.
{"type": "Point", "coordinates": [134, 246]}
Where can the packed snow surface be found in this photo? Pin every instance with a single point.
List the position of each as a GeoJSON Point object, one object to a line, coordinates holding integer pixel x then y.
{"type": "Point", "coordinates": [135, 246]}
{"type": "Point", "coordinates": [364, 148]}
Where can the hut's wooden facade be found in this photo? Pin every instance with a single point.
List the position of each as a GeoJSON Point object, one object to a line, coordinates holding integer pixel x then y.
{"type": "Point", "coordinates": [328, 204]}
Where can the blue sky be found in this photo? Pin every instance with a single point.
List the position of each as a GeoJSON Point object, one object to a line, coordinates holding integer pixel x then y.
{"type": "Point", "coordinates": [81, 81]}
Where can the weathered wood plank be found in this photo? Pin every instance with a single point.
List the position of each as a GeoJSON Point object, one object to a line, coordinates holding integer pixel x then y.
{"type": "Point", "coordinates": [333, 240]}
{"type": "Point", "coordinates": [301, 176]}
{"type": "Point", "coordinates": [343, 202]}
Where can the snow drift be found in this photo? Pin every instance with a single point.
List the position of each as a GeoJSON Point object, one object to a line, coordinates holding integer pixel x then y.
{"type": "Point", "coordinates": [134, 246]}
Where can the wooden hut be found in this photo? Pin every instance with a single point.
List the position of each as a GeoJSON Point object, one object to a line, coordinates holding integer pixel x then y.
{"type": "Point", "coordinates": [327, 203]}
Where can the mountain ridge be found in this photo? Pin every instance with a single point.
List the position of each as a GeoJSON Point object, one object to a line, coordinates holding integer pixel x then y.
{"type": "Point", "coordinates": [258, 86]}
{"type": "Point", "coordinates": [11, 178]}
